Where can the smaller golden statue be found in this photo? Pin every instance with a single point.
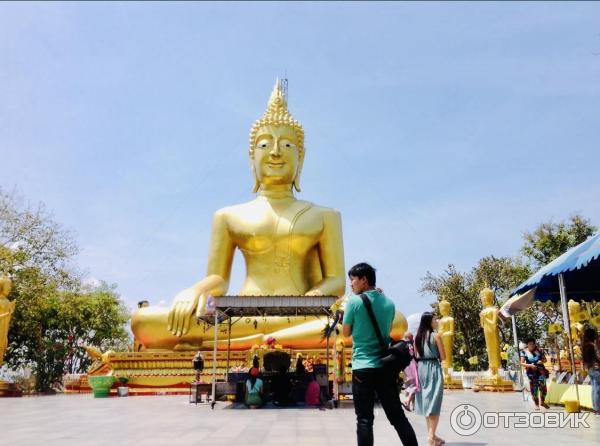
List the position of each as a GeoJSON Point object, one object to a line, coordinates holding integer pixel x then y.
{"type": "Point", "coordinates": [446, 331]}
{"type": "Point", "coordinates": [7, 309]}
{"type": "Point", "coordinates": [488, 318]}
{"type": "Point", "coordinates": [576, 316]}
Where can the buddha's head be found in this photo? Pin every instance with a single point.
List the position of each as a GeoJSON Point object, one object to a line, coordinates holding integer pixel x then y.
{"type": "Point", "coordinates": [487, 297]}
{"type": "Point", "coordinates": [5, 285]}
{"type": "Point", "coordinates": [277, 145]}
{"type": "Point", "coordinates": [444, 308]}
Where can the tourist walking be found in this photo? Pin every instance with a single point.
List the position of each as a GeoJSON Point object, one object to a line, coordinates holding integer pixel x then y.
{"type": "Point", "coordinates": [590, 356]}
{"type": "Point", "coordinates": [370, 380]}
{"type": "Point", "coordinates": [429, 352]}
{"type": "Point", "coordinates": [532, 358]}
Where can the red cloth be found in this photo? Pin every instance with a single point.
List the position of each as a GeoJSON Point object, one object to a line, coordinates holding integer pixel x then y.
{"type": "Point", "coordinates": [313, 391]}
{"type": "Point", "coordinates": [254, 372]}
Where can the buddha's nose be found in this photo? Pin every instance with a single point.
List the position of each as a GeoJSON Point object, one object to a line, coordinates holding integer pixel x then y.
{"type": "Point", "coordinates": [275, 151]}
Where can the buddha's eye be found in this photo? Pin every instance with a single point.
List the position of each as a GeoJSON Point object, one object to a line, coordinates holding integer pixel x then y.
{"type": "Point", "coordinates": [287, 144]}
{"type": "Point", "coordinates": [263, 144]}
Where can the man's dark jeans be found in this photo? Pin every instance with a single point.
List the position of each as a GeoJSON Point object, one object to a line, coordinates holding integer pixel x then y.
{"type": "Point", "coordinates": [367, 384]}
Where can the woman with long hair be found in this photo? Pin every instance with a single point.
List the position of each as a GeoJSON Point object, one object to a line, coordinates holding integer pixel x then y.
{"type": "Point", "coordinates": [430, 351]}
{"type": "Point", "coordinates": [532, 360]}
{"type": "Point", "coordinates": [591, 359]}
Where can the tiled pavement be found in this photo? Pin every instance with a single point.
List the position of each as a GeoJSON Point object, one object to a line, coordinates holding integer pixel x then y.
{"type": "Point", "coordinates": [170, 420]}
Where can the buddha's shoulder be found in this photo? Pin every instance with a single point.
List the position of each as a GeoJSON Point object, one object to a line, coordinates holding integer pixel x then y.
{"type": "Point", "coordinates": [328, 216]}
{"type": "Point", "coordinates": [326, 211]}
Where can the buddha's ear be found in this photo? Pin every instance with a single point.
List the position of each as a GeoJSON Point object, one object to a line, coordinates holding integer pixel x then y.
{"type": "Point", "coordinates": [256, 182]}
{"type": "Point", "coordinates": [299, 171]}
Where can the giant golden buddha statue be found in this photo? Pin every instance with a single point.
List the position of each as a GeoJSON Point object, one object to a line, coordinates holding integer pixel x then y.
{"type": "Point", "coordinates": [290, 247]}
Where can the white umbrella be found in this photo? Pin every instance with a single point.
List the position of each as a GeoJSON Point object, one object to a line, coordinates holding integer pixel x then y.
{"type": "Point", "coordinates": [413, 322]}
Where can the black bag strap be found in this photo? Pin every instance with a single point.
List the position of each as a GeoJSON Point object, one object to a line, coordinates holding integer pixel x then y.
{"type": "Point", "coordinates": [369, 309]}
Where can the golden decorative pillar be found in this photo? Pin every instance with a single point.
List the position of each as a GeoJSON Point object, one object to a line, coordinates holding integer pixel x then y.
{"type": "Point", "coordinates": [488, 319]}
{"type": "Point", "coordinates": [446, 331]}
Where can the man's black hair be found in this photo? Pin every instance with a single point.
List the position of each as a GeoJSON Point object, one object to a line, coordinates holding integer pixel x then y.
{"type": "Point", "coordinates": [363, 270]}
{"type": "Point", "coordinates": [528, 340]}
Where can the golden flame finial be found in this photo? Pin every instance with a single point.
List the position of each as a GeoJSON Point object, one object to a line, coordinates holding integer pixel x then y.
{"type": "Point", "coordinates": [277, 104]}
{"type": "Point", "coordinates": [277, 113]}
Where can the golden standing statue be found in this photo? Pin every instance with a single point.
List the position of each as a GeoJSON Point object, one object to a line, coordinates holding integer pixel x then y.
{"type": "Point", "coordinates": [488, 319]}
{"type": "Point", "coordinates": [7, 309]}
{"type": "Point", "coordinates": [446, 331]}
{"type": "Point", "coordinates": [291, 248]}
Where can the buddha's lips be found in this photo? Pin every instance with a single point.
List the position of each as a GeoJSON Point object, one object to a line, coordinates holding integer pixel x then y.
{"type": "Point", "coordinates": [276, 164]}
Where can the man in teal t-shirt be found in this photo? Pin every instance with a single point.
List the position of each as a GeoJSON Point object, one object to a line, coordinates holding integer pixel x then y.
{"type": "Point", "coordinates": [366, 351]}
{"type": "Point", "coordinates": [369, 378]}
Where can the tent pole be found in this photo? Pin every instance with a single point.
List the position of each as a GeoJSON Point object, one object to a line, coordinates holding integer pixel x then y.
{"type": "Point", "coordinates": [327, 364]}
{"type": "Point", "coordinates": [215, 358]}
{"type": "Point", "coordinates": [228, 350]}
{"type": "Point", "coordinates": [567, 323]}
{"type": "Point", "coordinates": [335, 369]}
{"type": "Point", "coordinates": [516, 345]}
{"type": "Point", "coordinates": [514, 330]}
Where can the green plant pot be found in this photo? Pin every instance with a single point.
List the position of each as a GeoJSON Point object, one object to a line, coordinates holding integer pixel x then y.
{"type": "Point", "coordinates": [101, 385]}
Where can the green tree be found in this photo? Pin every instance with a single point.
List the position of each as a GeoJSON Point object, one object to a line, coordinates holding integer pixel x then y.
{"type": "Point", "coordinates": [462, 290]}
{"type": "Point", "coordinates": [55, 315]}
{"type": "Point", "coordinates": [456, 287]}
{"type": "Point", "coordinates": [542, 245]}
{"type": "Point", "coordinates": [549, 240]}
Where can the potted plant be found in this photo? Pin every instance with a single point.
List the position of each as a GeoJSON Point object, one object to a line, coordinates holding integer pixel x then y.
{"type": "Point", "coordinates": [101, 385]}
{"type": "Point", "coordinates": [123, 390]}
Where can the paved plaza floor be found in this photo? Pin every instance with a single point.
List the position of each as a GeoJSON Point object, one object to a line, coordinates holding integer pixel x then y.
{"type": "Point", "coordinates": [171, 420]}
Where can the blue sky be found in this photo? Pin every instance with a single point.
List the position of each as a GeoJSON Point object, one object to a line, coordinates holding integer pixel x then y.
{"type": "Point", "coordinates": [440, 131]}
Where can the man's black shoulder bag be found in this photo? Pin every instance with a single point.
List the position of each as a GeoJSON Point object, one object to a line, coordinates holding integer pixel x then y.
{"type": "Point", "coordinates": [395, 356]}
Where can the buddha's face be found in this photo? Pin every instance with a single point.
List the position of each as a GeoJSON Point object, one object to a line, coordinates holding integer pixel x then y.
{"type": "Point", "coordinates": [276, 156]}
{"type": "Point", "coordinates": [5, 286]}
{"type": "Point", "coordinates": [487, 297]}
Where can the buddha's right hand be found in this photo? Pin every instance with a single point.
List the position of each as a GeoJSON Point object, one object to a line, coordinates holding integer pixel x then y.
{"type": "Point", "coordinates": [180, 315]}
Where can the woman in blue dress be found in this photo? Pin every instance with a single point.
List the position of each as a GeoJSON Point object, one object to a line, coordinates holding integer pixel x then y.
{"type": "Point", "coordinates": [430, 351]}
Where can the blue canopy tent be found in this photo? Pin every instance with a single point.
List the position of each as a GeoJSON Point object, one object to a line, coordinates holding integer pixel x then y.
{"type": "Point", "coordinates": [580, 271]}
{"type": "Point", "coordinates": [576, 273]}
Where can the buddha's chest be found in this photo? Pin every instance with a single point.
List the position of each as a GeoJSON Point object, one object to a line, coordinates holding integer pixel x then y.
{"type": "Point", "coordinates": [445, 326]}
{"type": "Point", "coordinates": [285, 231]}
